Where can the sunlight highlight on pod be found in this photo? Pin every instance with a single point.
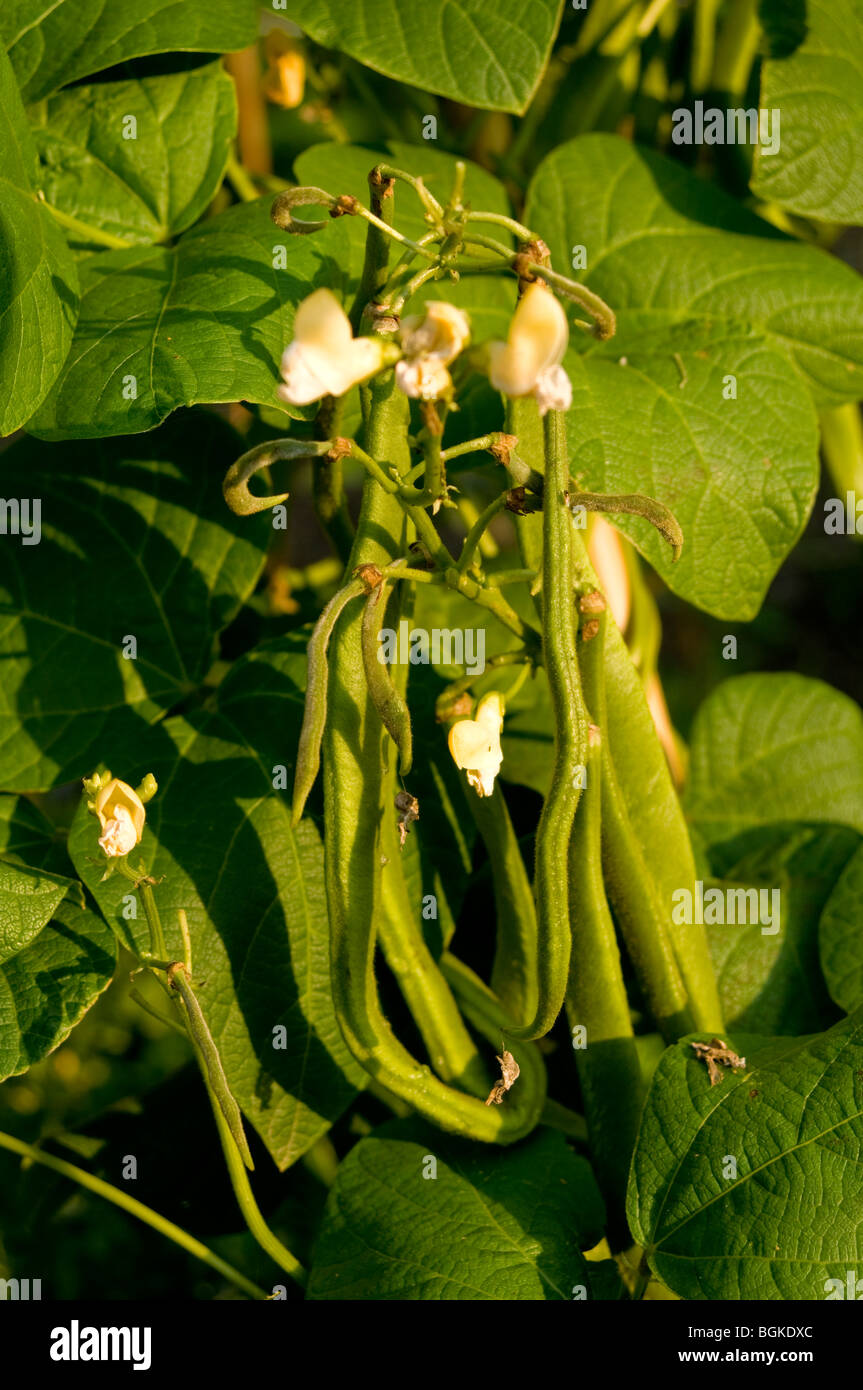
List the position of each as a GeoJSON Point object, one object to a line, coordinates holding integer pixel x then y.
{"type": "Point", "coordinates": [528, 363]}
{"type": "Point", "coordinates": [431, 341]}
{"type": "Point", "coordinates": [324, 358]}
{"type": "Point", "coordinates": [475, 744]}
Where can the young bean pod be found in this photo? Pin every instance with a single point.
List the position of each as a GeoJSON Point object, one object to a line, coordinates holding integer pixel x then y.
{"type": "Point", "coordinates": [570, 738]}
{"type": "Point", "coordinates": [209, 1059]}
{"type": "Point", "coordinates": [609, 1070]}
{"type": "Point", "coordinates": [387, 700]}
{"type": "Point", "coordinates": [315, 709]}
{"type": "Point", "coordinates": [353, 758]}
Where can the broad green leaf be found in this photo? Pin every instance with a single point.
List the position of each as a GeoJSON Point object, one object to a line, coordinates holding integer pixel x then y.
{"type": "Point", "coordinates": [816, 89]}
{"type": "Point", "coordinates": [488, 54]}
{"type": "Point", "coordinates": [772, 750]}
{"type": "Point", "coordinates": [218, 839]}
{"type": "Point", "coordinates": [506, 1225]}
{"type": "Point", "coordinates": [136, 543]}
{"type": "Point", "coordinates": [203, 321]}
{"type": "Point", "coordinates": [56, 42]}
{"type": "Point", "coordinates": [701, 399]}
{"type": "Point", "coordinates": [740, 475]}
{"type": "Point", "coordinates": [840, 937]}
{"type": "Point", "coordinates": [39, 281]}
{"type": "Point", "coordinates": [786, 1218]}
{"type": "Point", "coordinates": [28, 838]}
{"type": "Point", "coordinates": [664, 247]}
{"type": "Point", "coordinates": [149, 187]}
{"type": "Point", "coordinates": [46, 988]}
{"type": "Point", "coordinates": [770, 981]}
{"type": "Point", "coordinates": [28, 899]}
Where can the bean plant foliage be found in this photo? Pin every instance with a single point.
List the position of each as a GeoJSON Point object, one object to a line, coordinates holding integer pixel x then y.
{"type": "Point", "coordinates": [380, 384]}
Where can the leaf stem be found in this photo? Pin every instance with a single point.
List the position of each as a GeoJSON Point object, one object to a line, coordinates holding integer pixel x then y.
{"type": "Point", "coordinates": [85, 232]}
{"type": "Point", "coordinates": [240, 180]}
{"type": "Point", "coordinates": [134, 1208]}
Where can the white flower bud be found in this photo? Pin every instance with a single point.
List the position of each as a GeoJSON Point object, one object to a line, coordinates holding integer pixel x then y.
{"type": "Point", "coordinates": [324, 358]}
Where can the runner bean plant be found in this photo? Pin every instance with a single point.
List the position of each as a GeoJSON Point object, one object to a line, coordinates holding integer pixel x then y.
{"type": "Point", "coordinates": [405, 444]}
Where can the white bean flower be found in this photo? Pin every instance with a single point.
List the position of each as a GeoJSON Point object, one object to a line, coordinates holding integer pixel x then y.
{"type": "Point", "coordinates": [528, 363]}
{"type": "Point", "coordinates": [430, 341]}
{"type": "Point", "coordinates": [324, 358]}
{"type": "Point", "coordinates": [121, 816]}
{"type": "Point", "coordinates": [475, 744]}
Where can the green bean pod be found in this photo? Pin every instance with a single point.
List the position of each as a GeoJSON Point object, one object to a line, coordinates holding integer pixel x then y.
{"type": "Point", "coordinates": [387, 700]}
{"type": "Point", "coordinates": [315, 708]}
{"type": "Point", "coordinates": [354, 802]}
{"type": "Point", "coordinates": [513, 975]}
{"type": "Point", "coordinates": [209, 1060]}
{"type": "Point", "coordinates": [551, 886]}
{"type": "Point", "coordinates": [608, 1065]}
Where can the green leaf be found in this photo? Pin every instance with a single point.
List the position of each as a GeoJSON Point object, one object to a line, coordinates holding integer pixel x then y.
{"type": "Point", "coordinates": [793, 1123]}
{"type": "Point", "coordinates": [204, 321]}
{"type": "Point", "coordinates": [48, 986]}
{"type": "Point", "coordinates": [816, 170]}
{"type": "Point", "coordinates": [481, 1226]}
{"type": "Point", "coordinates": [721, 319]}
{"type": "Point", "coordinates": [28, 899]}
{"type": "Point", "coordinates": [136, 543]}
{"type": "Point", "coordinates": [28, 838]}
{"type": "Point", "coordinates": [487, 53]}
{"type": "Point", "coordinates": [772, 750]}
{"type": "Point", "coordinates": [840, 937]}
{"type": "Point", "coordinates": [40, 282]}
{"type": "Point", "coordinates": [664, 247]}
{"type": "Point", "coordinates": [57, 43]}
{"type": "Point", "coordinates": [739, 475]}
{"type": "Point", "coordinates": [770, 982]}
{"type": "Point", "coordinates": [219, 841]}
{"type": "Point", "coordinates": [150, 187]}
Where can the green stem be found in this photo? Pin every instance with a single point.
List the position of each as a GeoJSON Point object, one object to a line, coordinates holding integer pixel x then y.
{"type": "Point", "coordinates": [478, 530]}
{"type": "Point", "coordinates": [736, 48]}
{"type": "Point", "coordinates": [517, 228]}
{"type": "Point", "coordinates": [258, 1227]}
{"type": "Point", "coordinates": [842, 447]}
{"type": "Point", "coordinates": [154, 921]}
{"type": "Point", "coordinates": [240, 180]}
{"type": "Point", "coordinates": [134, 1208]}
{"type": "Point", "coordinates": [87, 233]}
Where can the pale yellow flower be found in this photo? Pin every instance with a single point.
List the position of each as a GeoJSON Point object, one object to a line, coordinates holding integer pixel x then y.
{"type": "Point", "coordinates": [121, 816]}
{"type": "Point", "coordinates": [475, 744]}
{"type": "Point", "coordinates": [324, 358]}
{"type": "Point", "coordinates": [430, 341]}
{"type": "Point", "coordinates": [528, 363]}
